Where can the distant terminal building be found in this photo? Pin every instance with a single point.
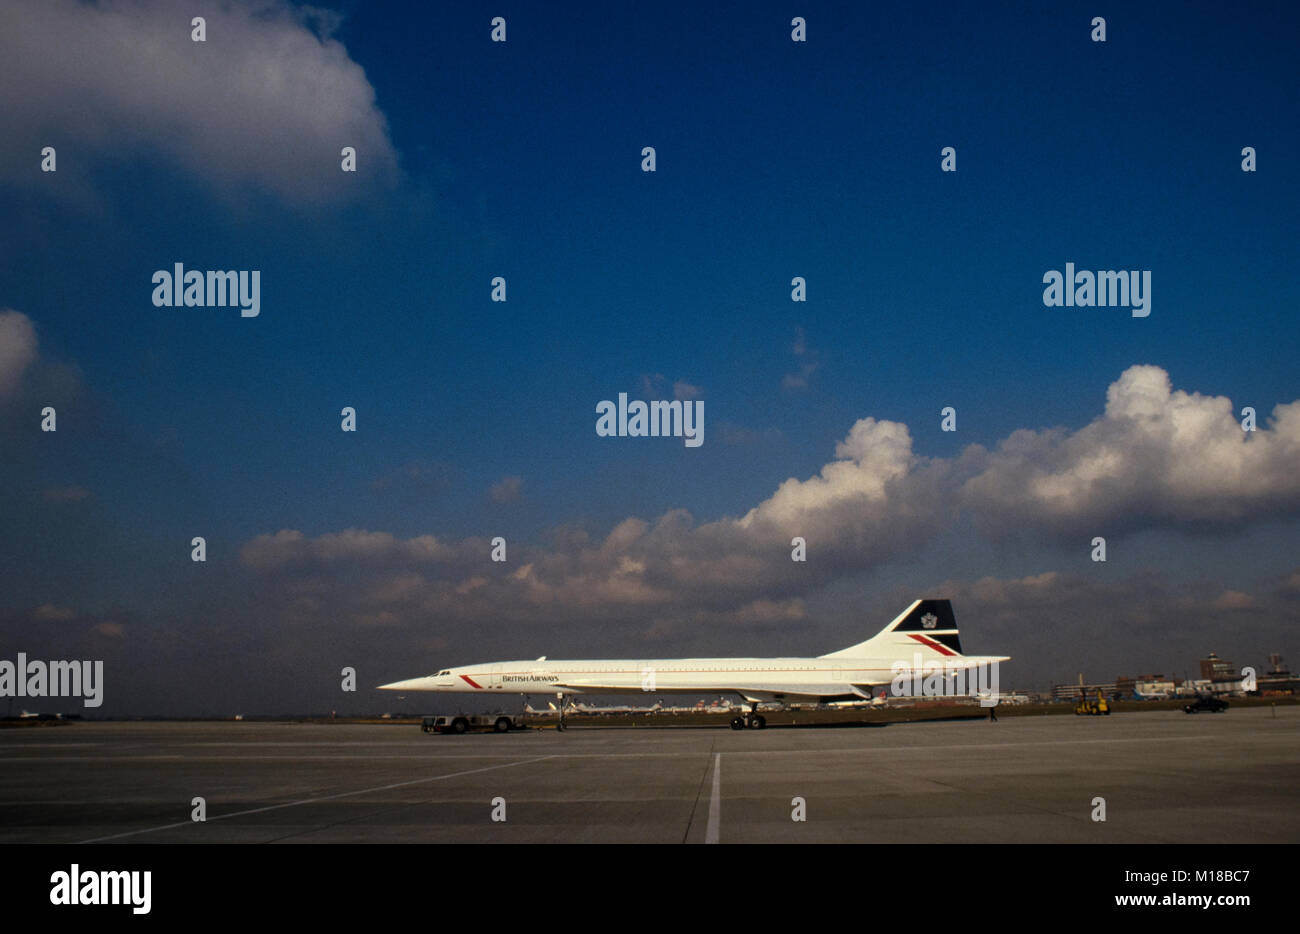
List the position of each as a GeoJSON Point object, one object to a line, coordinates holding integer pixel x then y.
{"type": "Point", "coordinates": [1218, 676]}
{"type": "Point", "coordinates": [1155, 687]}
{"type": "Point", "coordinates": [1222, 674]}
{"type": "Point", "coordinates": [1214, 668]}
{"type": "Point", "coordinates": [1277, 680]}
{"type": "Point", "coordinates": [1073, 691]}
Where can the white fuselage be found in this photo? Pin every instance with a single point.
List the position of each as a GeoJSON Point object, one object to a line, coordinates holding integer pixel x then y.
{"type": "Point", "coordinates": [800, 676]}
{"type": "Point", "coordinates": [921, 642]}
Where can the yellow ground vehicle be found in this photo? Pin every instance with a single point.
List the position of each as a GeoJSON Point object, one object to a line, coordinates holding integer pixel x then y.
{"type": "Point", "coordinates": [1092, 708]}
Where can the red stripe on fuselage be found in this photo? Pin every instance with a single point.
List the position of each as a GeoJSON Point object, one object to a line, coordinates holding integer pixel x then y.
{"type": "Point", "coordinates": [470, 681]}
{"type": "Point", "coordinates": [937, 646]}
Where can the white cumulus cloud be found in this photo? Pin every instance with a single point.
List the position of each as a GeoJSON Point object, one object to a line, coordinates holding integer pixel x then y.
{"type": "Point", "coordinates": [267, 102]}
{"type": "Point", "coordinates": [1156, 457]}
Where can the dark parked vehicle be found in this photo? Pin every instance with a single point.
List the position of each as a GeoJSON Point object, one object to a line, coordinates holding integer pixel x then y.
{"type": "Point", "coordinates": [1205, 702]}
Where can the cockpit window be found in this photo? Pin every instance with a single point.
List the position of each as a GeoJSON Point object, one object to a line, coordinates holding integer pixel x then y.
{"type": "Point", "coordinates": [445, 671]}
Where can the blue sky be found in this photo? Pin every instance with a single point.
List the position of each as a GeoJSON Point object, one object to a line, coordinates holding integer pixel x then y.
{"type": "Point", "coordinates": [775, 159]}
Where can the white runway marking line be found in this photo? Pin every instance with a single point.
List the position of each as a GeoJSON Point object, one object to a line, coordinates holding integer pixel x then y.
{"type": "Point", "coordinates": [715, 807]}
{"type": "Point", "coordinates": [293, 804]}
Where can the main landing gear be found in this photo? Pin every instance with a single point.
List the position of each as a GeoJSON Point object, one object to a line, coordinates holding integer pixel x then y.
{"type": "Point", "coordinates": [754, 720]}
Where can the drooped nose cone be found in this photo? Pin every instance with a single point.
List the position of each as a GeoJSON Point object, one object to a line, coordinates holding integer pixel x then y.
{"type": "Point", "coordinates": [411, 684]}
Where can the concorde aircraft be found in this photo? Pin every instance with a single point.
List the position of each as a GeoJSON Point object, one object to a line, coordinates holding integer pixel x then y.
{"type": "Point", "coordinates": [919, 642]}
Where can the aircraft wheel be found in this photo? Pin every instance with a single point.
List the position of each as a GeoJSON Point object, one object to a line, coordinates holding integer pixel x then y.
{"type": "Point", "coordinates": [459, 725]}
{"type": "Point", "coordinates": [502, 725]}
{"type": "Point", "coordinates": [757, 722]}
{"type": "Point", "coordinates": [737, 723]}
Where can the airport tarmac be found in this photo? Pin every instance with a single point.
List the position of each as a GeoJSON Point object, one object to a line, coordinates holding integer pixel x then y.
{"type": "Point", "coordinates": [1165, 777]}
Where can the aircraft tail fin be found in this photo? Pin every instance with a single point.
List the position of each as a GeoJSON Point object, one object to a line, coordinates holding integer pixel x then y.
{"type": "Point", "coordinates": [926, 626]}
